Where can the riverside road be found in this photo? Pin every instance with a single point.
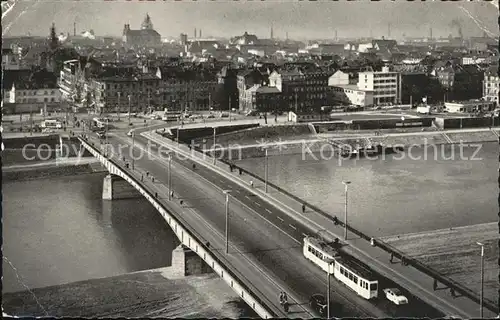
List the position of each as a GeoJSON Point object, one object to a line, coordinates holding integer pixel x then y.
{"type": "Point", "coordinates": [267, 235]}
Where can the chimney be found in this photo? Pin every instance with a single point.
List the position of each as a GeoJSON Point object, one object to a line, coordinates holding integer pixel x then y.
{"type": "Point", "coordinates": [389, 31]}
{"type": "Point", "coordinates": [272, 32]}
{"type": "Point", "coordinates": [195, 33]}
{"type": "Point", "coordinates": [200, 33]}
{"type": "Point", "coordinates": [74, 28]}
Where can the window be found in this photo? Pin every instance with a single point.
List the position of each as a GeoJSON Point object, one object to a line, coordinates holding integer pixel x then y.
{"type": "Point", "coordinates": [355, 279]}
{"type": "Point", "coordinates": [373, 287]}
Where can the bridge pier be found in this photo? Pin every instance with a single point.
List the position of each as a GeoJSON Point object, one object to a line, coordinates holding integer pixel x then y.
{"type": "Point", "coordinates": [186, 262]}
{"type": "Point", "coordinates": [115, 187]}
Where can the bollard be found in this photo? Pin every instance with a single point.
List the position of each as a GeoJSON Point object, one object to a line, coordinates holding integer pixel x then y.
{"type": "Point", "coordinates": [392, 256]}
{"type": "Point", "coordinates": [142, 177]}
{"type": "Point", "coordinates": [156, 194]}
{"type": "Point", "coordinates": [153, 179]}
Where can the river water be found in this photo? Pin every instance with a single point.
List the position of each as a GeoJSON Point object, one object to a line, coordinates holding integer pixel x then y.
{"type": "Point", "coordinates": [421, 190]}
{"type": "Point", "coordinates": [59, 230]}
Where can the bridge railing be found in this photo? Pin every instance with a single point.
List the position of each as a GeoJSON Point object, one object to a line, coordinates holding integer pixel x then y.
{"type": "Point", "coordinates": [429, 271]}
{"type": "Point", "coordinates": [200, 247]}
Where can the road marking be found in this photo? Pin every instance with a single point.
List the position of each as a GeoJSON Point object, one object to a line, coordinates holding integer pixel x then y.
{"type": "Point", "coordinates": [305, 235]}
{"type": "Point", "coordinates": [280, 219]}
{"type": "Point", "coordinates": [291, 226]}
{"type": "Point", "coordinates": [247, 197]}
{"type": "Point", "coordinates": [237, 191]}
{"type": "Point", "coordinates": [268, 210]}
{"type": "Point", "coordinates": [257, 203]}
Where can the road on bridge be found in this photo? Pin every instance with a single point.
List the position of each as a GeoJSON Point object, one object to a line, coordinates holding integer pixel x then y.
{"type": "Point", "coordinates": [264, 234]}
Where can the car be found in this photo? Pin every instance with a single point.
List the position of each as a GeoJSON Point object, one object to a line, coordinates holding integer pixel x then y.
{"type": "Point", "coordinates": [130, 133]}
{"type": "Point", "coordinates": [101, 134]}
{"type": "Point", "coordinates": [395, 295]}
{"type": "Point", "coordinates": [210, 116]}
{"type": "Point", "coordinates": [318, 303]}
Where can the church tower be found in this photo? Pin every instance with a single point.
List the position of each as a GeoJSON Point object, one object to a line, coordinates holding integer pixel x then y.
{"type": "Point", "coordinates": [147, 24]}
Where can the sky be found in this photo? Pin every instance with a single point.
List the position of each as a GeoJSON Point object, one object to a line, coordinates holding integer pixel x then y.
{"type": "Point", "coordinates": [223, 18]}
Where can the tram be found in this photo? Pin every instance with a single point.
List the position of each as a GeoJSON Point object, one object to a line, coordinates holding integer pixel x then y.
{"type": "Point", "coordinates": [353, 274]}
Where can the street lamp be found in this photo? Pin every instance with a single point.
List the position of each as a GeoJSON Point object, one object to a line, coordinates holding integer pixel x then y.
{"type": "Point", "coordinates": [482, 280]}
{"type": "Point", "coordinates": [169, 176]}
{"type": "Point", "coordinates": [129, 109]}
{"type": "Point", "coordinates": [133, 143]}
{"type": "Point", "coordinates": [214, 146]}
{"type": "Point", "coordinates": [267, 169]}
{"type": "Point", "coordinates": [345, 183]}
{"type": "Point", "coordinates": [227, 192]}
{"type": "Point", "coordinates": [328, 289]}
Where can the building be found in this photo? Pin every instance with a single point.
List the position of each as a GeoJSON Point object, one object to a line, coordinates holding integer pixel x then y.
{"type": "Point", "coordinates": [469, 106]}
{"type": "Point", "coordinates": [185, 88]}
{"type": "Point", "coordinates": [302, 89]}
{"type": "Point", "coordinates": [298, 117]}
{"type": "Point", "coordinates": [386, 85]}
{"type": "Point", "coordinates": [491, 85]}
{"type": "Point", "coordinates": [10, 60]}
{"type": "Point", "coordinates": [30, 89]}
{"type": "Point", "coordinates": [245, 81]}
{"type": "Point", "coordinates": [345, 93]}
{"type": "Point", "coordinates": [71, 79]}
{"type": "Point", "coordinates": [146, 36]}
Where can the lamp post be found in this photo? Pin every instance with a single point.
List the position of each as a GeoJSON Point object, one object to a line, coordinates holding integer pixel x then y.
{"type": "Point", "coordinates": [345, 183]}
{"type": "Point", "coordinates": [169, 176]}
{"type": "Point", "coordinates": [328, 289]}
{"type": "Point", "coordinates": [267, 169]}
{"type": "Point", "coordinates": [177, 137]}
{"type": "Point", "coordinates": [133, 143]}
{"type": "Point", "coordinates": [129, 109]}
{"type": "Point", "coordinates": [118, 106]}
{"type": "Point", "coordinates": [227, 192]}
{"type": "Point", "coordinates": [482, 280]}
{"type": "Point", "coordinates": [214, 147]}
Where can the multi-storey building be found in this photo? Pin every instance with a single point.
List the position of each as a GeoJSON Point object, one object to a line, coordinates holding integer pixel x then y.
{"type": "Point", "coordinates": [491, 84]}
{"type": "Point", "coordinates": [121, 93]}
{"type": "Point", "coordinates": [245, 81]}
{"type": "Point", "coordinates": [71, 80]}
{"type": "Point", "coordinates": [180, 88]}
{"type": "Point", "coordinates": [386, 85]}
{"type": "Point", "coordinates": [302, 89]}
{"type": "Point", "coordinates": [345, 93]}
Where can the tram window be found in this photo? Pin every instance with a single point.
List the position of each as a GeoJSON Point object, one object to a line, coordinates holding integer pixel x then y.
{"type": "Point", "coordinates": [373, 286]}
{"type": "Point", "coordinates": [362, 283]}
{"type": "Point", "coordinates": [350, 276]}
{"type": "Point", "coordinates": [341, 271]}
{"type": "Point", "coordinates": [355, 279]}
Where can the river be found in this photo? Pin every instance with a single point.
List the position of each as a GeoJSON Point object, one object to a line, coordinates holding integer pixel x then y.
{"type": "Point", "coordinates": [422, 191]}
{"type": "Point", "coordinates": [59, 230]}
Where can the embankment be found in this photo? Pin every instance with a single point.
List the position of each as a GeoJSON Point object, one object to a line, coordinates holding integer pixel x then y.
{"type": "Point", "coordinates": [311, 144]}
{"type": "Point", "coordinates": [39, 148]}
{"type": "Point", "coordinates": [147, 294]}
{"type": "Point", "coordinates": [50, 169]}
{"type": "Point", "coordinates": [254, 135]}
{"type": "Point", "coordinates": [454, 253]}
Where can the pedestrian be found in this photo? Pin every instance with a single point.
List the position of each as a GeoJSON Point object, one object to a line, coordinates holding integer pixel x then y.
{"type": "Point", "coordinates": [286, 306]}
{"type": "Point", "coordinates": [172, 194]}
{"type": "Point", "coordinates": [281, 297]}
{"type": "Point", "coordinates": [142, 177]}
{"type": "Point", "coordinates": [303, 208]}
{"type": "Point", "coordinates": [153, 179]}
{"type": "Point", "coordinates": [285, 297]}
{"type": "Point", "coordinates": [147, 173]}
{"type": "Point", "coordinates": [194, 166]}
{"type": "Point", "coordinates": [240, 171]}
{"type": "Point", "coordinates": [181, 202]}
{"type": "Point", "coordinates": [392, 256]}
{"type": "Point", "coordinates": [156, 194]}
{"type": "Point", "coordinates": [251, 183]}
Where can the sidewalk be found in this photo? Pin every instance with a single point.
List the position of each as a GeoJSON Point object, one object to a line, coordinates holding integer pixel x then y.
{"type": "Point", "coordinates": [246, 266]}
{"type": "Point", "coordinates": [417, 282]}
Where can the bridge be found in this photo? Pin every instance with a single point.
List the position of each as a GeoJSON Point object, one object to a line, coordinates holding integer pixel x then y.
{"type": "Point", "coordinates": [265, 232]}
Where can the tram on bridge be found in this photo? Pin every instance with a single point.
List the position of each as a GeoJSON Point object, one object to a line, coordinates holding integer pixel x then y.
{"type": "Point", "coordinates": [344, 268]}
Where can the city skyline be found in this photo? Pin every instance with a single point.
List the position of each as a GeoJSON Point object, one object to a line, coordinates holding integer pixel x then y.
{"type": "Point", "coordinates": [223, 19]}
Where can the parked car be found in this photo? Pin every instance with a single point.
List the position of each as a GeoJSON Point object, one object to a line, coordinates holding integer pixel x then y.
{"type": "Point", "coordinates": [130, 133]}
{"type": "Point", "coordinates": [395, 295]}
{"type": "Point", "coordinates": [252, 113]}
{"type": "Point", "coordinates": [210, 116]}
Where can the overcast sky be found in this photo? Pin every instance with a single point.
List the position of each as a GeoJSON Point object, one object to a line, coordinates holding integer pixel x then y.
{"type": "Point", "coordinates": [228, 18]}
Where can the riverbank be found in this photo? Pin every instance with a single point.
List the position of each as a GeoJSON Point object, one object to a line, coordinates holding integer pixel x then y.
{"type": "Point", "coordinates": [251, 148]}
{"type": "Point", "coordinates": [151, 293]}
{"type": "Point", "coordinates": [52, 168]}
{"type": "Point", "coordinates": [453, 252]}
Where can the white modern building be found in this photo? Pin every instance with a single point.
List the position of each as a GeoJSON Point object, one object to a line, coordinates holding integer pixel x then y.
{"type": "Point", "coordinates": [469, 106]}
{"type": "Point", "coordinates": [491, 85]}
{"type": "Point", "coordinates": [345, 93]}
{"type": "Point", "coordinates": [386, 85]}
